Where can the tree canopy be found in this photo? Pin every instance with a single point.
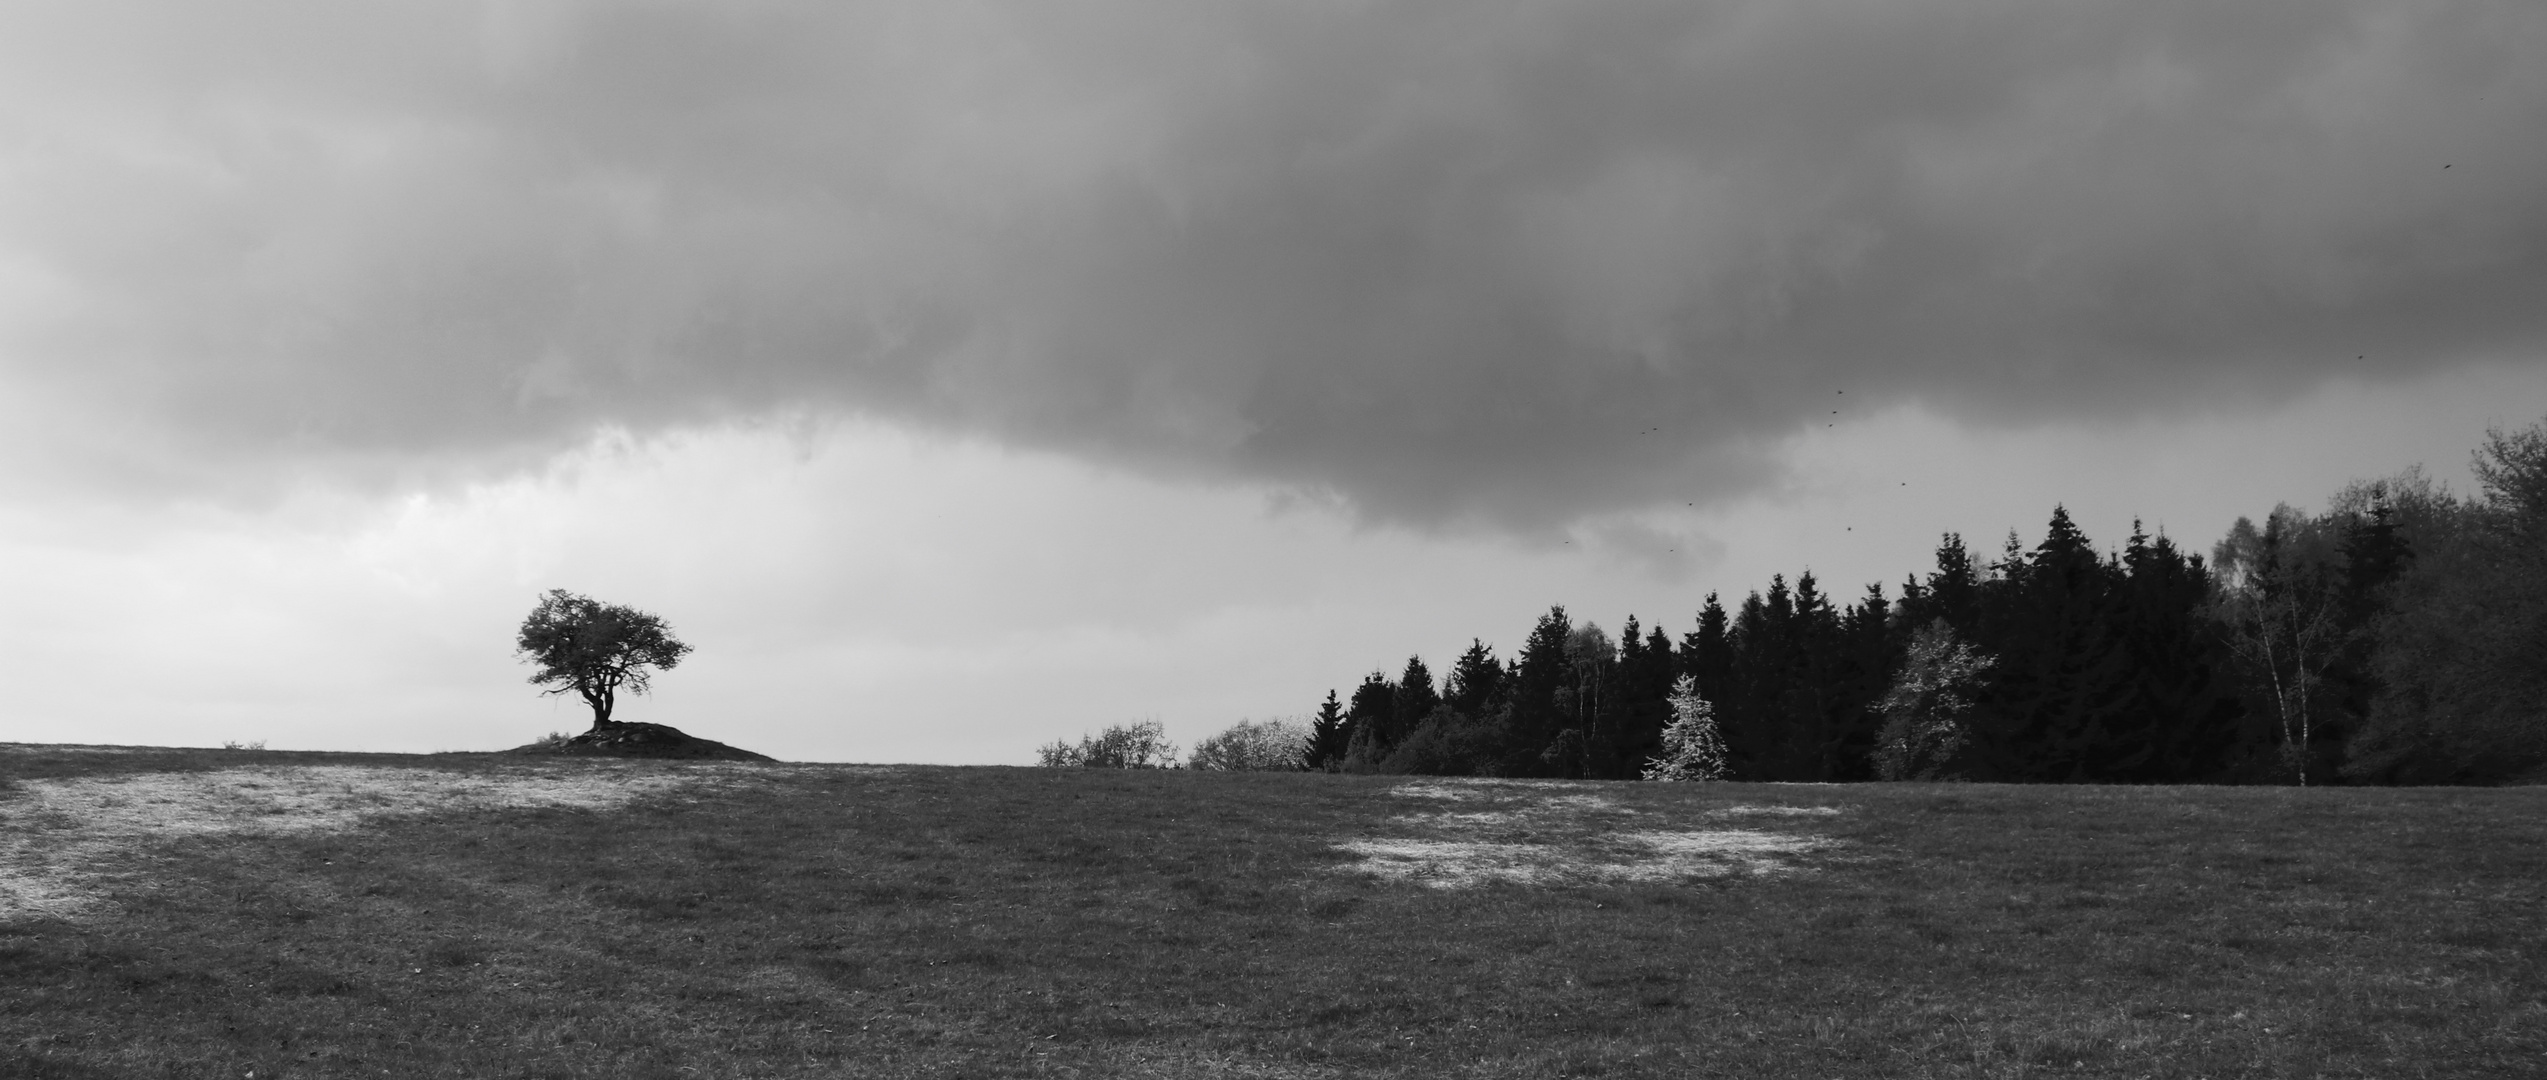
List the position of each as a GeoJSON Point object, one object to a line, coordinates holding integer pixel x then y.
{"type": "Point", "coordinates": [593, 650]}
{"type": "Point", "coordinates": [2400, 636]}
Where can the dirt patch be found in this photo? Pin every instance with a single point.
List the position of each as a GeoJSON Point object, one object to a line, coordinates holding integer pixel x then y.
{"type": "Point", "coordinates": [62, 839]}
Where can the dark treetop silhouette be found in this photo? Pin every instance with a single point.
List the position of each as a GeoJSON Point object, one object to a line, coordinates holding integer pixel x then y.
{"type": "Point", "coordinates": [593, 649]}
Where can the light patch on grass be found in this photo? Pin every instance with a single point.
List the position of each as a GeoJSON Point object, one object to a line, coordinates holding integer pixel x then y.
{"type": "Point", "coordinates": [1779, 811]}
{"type": "Point", "coordinates": [1628, 857]}
{"type": "Point", "coordinates": [1455, 790]}
{"type": "Point", "coordinates": [1562, 811]}
{"type": "Point", "coordinates": [1552, 833]}
{"type": "Point", "coordinates": [62, 840]}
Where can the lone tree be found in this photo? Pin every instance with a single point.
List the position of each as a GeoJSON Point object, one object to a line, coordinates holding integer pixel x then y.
{"type": "Point", "coordinates": [1693, 748]}
{"type": "Point", "coordinates": [593, 649]}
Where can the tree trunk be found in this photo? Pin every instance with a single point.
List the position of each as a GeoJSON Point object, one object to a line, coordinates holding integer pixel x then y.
{"type": "Point", "coordinates": [601, 701]}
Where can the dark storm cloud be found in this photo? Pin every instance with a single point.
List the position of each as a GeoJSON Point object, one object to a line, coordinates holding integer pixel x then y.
{"type": "Point", "coordinates": [1445, 260]}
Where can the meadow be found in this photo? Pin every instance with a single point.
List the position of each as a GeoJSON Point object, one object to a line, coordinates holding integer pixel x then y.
{"type": "Point", "coordinates": [187, 913]}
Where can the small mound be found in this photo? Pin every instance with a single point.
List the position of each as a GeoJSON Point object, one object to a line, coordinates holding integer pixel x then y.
{"type": "Point", "coordinates": [637, 740]}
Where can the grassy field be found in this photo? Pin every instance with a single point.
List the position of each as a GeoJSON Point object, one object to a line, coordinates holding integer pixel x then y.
{"type": "Point", "coordinates": [227, 914]}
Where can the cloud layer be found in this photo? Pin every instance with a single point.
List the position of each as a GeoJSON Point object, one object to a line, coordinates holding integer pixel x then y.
{"type": "Point", "coordinates": [1445, 261]}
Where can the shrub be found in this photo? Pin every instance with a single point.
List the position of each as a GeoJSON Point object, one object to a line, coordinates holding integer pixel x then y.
{"type": "Point", "coordinates": [1139, 745]}
{"type": "Point", "coordinates": [1254, 746]}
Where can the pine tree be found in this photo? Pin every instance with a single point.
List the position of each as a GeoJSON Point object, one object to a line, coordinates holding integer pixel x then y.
{"type": "Point", "coordinates": [1373, 716]}
{"type": "Point", "coordinates": [1640, 702]}
{"type": "Point", "coordinates": [1415, 699]}
{"type": "Point", "coordinates": [1746, 709]}
{"type": "Point", "coordinates": [1692, 749]}
{"type": "Point", "coordinates": [1330, 735]}
{"type": "Point", "coordinates": [2186, 712]}
{"type": "Point", "coordinates": [1706, 653]}
{"type": "Point", "coordinates": [1476, 681]}
{"type": "Point", "coordinates": [2055, 707]}
{"type": "Point", "coordinates": [1536, 714]}
{"type": "Point", "coordinates": [1869, 649]}
{"type": "Point", "coordinates": [1814, 705]}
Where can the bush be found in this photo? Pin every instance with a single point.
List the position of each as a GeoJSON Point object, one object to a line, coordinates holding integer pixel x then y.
{"type": "Point", "coordinates": [1139, 745]}
{"type": "Point", "coordinates": [1254, 746]}
{"type": "Point", "coordinates": [1448, 743]}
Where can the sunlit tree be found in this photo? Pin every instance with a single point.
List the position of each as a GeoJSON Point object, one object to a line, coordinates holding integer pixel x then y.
{"type": "Point", "coordinates": [1254, 746]}
{"type": "Point", "coordinates": [1139, 745]}
{"type": "Point", "coordinates": [1692, 747]}
{"type": "Point", "coordinates": [1927, 708]}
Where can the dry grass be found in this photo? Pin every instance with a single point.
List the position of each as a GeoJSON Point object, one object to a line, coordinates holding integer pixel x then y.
{"type": "Point", "coordinates": [460, 917]}
{"type": "Point", "coordinates": [62, 839]}
{"type": "Point", "coordinates": [1547, 835]}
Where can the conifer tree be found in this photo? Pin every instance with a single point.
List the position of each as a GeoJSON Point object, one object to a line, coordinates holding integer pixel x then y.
{"type": "Point", "coordinates": [1372, 714]}
{"type": "Point", "coordinates": [2055, 707]}
{"type": "Point", "coordinates": [1476, 681]}
{"type": "Point", "coordinates": [1692, 749]}
{"type": "Point", "coordinates": [1640, 701]}
{"type": "Point", "coordinates": [2187, 713]}
{"type": "Point", "coordinates": [1706, 653]}
{"type": "Point", "coordinates": [1868, 651]}
{"type": "Point", "coordinates": [1415, 699]}
{"type": "Point", "coordinates": [1536, 715]}
{"type": "Point", "coordinates": [1745, 709]}
{"type": "Point", "coordinates": [1330, 735]}
{"type": "Point", "coordinates": [1953, 592]}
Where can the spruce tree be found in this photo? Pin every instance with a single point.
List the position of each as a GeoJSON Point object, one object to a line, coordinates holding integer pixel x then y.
{"type": "Point", "coordinates": [2186, 711]}
{"type": "Point", "coordinates": [1476, 681]}
{"type": "Point", "coordinates": [1706, 653]}
{"type": "Point", "coordinates": [1372, 713]}
{"type": "Point", "coordinates": [1869, 649]}
{"type": "Point", "coordinates": [1640, 700]}
{"type": "Point", "coordinates": [1536, 714]}
{"type": "Point", "coordinates": [1745, 707]}
{"type": "Point", "coordinates": [1330, 735]}
{"type": "Point", "coordinates": [1415, 699]}
{"type": "Point", "coordinates": [2055, 709]}
{"type": "Point", "coordinates": [1692, 748]}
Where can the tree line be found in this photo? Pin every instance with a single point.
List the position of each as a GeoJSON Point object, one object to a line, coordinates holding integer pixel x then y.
{"type": "Point", "coordinates": [2400, 636]}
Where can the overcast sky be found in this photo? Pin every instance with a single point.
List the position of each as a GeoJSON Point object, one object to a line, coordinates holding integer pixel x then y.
{"type": "Point", "coordinates": [962, 374]}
